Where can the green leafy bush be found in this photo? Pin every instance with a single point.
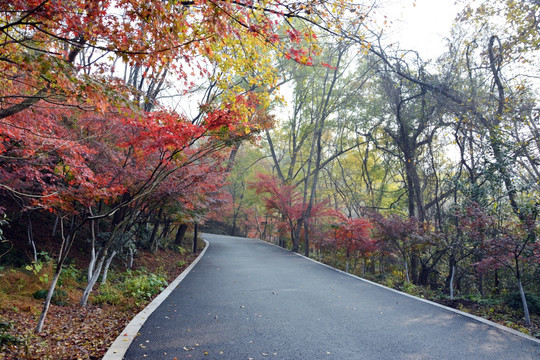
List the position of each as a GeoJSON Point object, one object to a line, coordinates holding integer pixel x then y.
{"type": "Point", "coordinates": [70, 273]}
{"type": "Point", "coordinates": [59, 296]}
{"type": "Point", "coordinates": [5, 337]}
{"type": "Point", "coordinates": [143, 286]}
{"type": "Point", "coordinates": [513, 300]}
{"type": "Point", "coordinates": [108, 294]}
{"type": "Point", "coordinates": [177, 248]}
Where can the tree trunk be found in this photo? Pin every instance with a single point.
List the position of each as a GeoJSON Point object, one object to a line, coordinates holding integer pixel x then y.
{"type": "Point", "coordinates": [106, 269]}
{"type": "Point", "coordinates": [406, 269]}
{"type": "Point", "coordinates": [47, 302]}
{"type": "Point", "coordinates": [67, 242]}
{"type": "Point", "coordinates": [195, 235]}
{"type": "Point", "coordinates": [179, 239]}
{"type": "Point", "coordinates": [31, 242]}
{"type": "Point", "coordinates": [524, 303]}
{"type": "Point", "coordinates": [306, 239]}
{"type": "Point", "coordinates": [56, 221]}
{"type": "Point", "coordinates": [517, 273]}
{"type": "Point", "coordinates": [93, 256]}
{"type": "Point", "coordinates": [130, 264]}
{"type": "Point", "coordinates": [92, 281]}
{"type": "Point", "coordinates": [153, 237]}
{"type": "Point", "coordinates": [414, 267]}
{"type": "Point", "coordinates": [451, 285]}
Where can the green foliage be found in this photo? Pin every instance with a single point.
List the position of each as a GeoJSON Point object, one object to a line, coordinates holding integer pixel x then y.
{"type": "Point", "coordinates": [392, 281]}
{"type": "Point", "coordinates": [177, 248]}
{"type": "Point", "coordinates": [513, 300]}
{"type": "Point", "coordinates": [70, 273]}
{"type": "Point", "coordinates": [59, 297]}
{"type": "Point", "coordinates": [38, 266]}
{"type": "Point", "coordinates": [143, 286]}
{"type": "Point", "coordinates": [5, 337]}
{"type": "Point", "coordinates": [108, 294]}
{"type": "Point", "coordinates": [181, 263]}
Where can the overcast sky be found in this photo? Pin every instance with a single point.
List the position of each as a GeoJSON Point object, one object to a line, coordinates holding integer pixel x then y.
{"type": "Point", "coordinates": [422, 27]}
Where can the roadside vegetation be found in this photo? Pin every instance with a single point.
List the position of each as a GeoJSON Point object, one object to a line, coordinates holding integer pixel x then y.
{"type": "Point", "coordinates": [73, 332]}
{"type": "Point", "coordinates": [504, 308]}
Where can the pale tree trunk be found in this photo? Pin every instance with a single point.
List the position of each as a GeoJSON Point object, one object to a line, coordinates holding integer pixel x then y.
{"type": "Point", "coordinates": [67, 242]}
{"type": "Point", "coordinates": [524, 303]}
{"type": "Point", "coordinates": [47, 302]}
{"type": "Point", "coordinates": [93, 256]}
{"type": "Point", "coordinates": [451, 285]}
{"type": "Point", "coordinates": [130, 265]}
{"type": "Point", "coordinates": [56, 221]}
{"type": "Point", "coordinates": [92, 281]}
{"type": "Point", "coordinates": [517, 273]}
{"type": "Point", "coordinates": [102, 256]}
{"type": "Point", "coordinates": [106, 269]}
{"type": "Point", "coordinates": [31, 242]}
{"type": "Point", "coordinates": [406, 270]}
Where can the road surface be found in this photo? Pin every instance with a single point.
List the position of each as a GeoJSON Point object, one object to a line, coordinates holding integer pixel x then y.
{"type": "Point", "coordinates": [247, 299]}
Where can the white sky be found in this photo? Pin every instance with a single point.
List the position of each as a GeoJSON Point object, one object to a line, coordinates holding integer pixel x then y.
{"type": "Point", "coordinates": [422, 27]}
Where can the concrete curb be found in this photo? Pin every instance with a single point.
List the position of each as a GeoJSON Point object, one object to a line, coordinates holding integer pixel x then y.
{"type": "Point", "coordinates": [126, 337]}
{"type": "Point", "coordinates": [462, 313]}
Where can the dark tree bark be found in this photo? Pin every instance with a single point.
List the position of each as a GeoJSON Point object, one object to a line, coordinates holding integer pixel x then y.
{"type": "Point", "coordinates": [195, 236]}
{"type": "Point", "coordinates": [179, 239]}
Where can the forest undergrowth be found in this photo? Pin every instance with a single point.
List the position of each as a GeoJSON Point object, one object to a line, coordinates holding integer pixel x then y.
{"type": "Point", "coordinates": [72, 332]}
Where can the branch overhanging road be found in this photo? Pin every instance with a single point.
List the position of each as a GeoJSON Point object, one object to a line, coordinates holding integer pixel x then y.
{"type": "Point", "coordinates": [247, 299]}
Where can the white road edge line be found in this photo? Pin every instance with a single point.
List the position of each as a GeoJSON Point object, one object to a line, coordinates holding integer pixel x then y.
{"type": "Point", "coordinates": [462, 313]}
{"type": "Point", "coordinates": [123, 341]}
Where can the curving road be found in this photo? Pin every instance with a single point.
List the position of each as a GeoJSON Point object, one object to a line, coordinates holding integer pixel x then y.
{"type": "Point", "coordinates": [247, 299]}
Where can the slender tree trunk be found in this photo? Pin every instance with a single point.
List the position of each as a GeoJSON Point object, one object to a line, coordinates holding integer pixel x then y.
{"type": "Point", "coordinates": [153, 237]}
{"type": "Point", "coordinates": [130, 264]}
{"type": "Point", "coordinates": [306, 238]}
{"type": "Point", "coordinates": [67, 242]}
{"type": "Point", "coordinates": [522, 292]}
{"type": "Point", "coordinates": [93, 256]}
{"type": "Point", "coordinates": [451, 285]}
{"type": "Point", "coordinates": [92, 281]}
{"type": "Point", "coordinates": [31, 242]}
{"type": "Point", "coordinates": [106, 269]}
{"type": "Point", "coordinates": [195, 236]}
{"type": "Point", "coordinates": [56, 221]}
{"type": "Point", "coordinates": [406, 269]}
{"type": "Point", "coordinates": [48, 299]}
{"type": "Point", "coordinates": [497, 284]}
{"type": "Point", "coordinates": [524, 303]}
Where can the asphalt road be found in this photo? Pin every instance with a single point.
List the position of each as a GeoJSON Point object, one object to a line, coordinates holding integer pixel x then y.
{"type": "Point", "coordinates": [247, 299]}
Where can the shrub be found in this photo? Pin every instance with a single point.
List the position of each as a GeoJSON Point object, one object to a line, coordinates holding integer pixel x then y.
{"type": "Point", "coordinates": [59, 296]}
{"type": "Point", "coordinates": [143, 286]}
{"type": "Point", "coordinates": [7, 338]}
{"type": "Point", "coordinates": [176, 248]}
{"type": "Point", "coordinates": [513, 300]}
{"type": "Point", "coordinates": [70, 275]}
{"type": "Point", "coordinates": [108, 294]}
